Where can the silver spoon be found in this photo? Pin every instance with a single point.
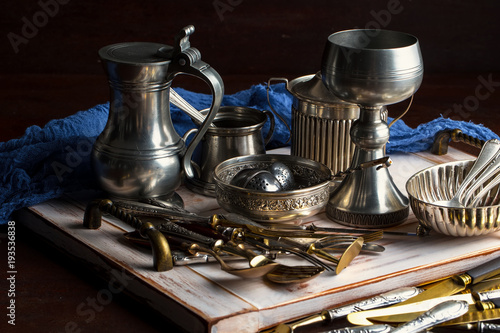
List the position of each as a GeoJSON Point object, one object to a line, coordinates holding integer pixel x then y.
{"type": "Point", "coordinates": [488, 153]}
{"type": "Point", "coordinates": [486, 175]}
{"type": "Point", "coordinates": [249, 272]}
{"type": "Point", "coordinates": [484, 191]}
{"type": "Point", "coordinates": [182, 104]}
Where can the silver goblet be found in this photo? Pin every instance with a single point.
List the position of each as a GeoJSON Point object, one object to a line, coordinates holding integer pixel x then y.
{"type": "Point", "coordinates": [371, 68]}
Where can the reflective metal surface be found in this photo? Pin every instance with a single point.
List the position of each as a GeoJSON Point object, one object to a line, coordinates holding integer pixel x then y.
{"type": "Point", "coordinates": [371, 68]}
{"type": "Point", "coordinates": [139, 154]}
{"type": "Point", "coordinates": [313, 179]}
{"type": "Point", "coordinates": [439, 314]}
{"type": "Point", "coordinates": [481, 172]}
{"type": "Point", "coordinates": [238, 131]}
{"type": "Point", "coordinates": [440, 182]}
{"type": "Point", "coordinates": [321, 123]}
{"type": "Point", "coordinates": [184, 105]}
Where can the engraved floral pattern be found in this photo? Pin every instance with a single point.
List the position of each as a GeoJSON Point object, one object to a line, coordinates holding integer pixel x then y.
{"type": "Point", "coordinates": [311, 195]}
{"type": "Point", "coordinates": [271, 204]}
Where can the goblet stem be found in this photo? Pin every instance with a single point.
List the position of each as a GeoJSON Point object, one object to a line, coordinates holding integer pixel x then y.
{"type": "Point", "coordinates": [370, 134]}
{"type": "Point", "coordinates": [368, 198]}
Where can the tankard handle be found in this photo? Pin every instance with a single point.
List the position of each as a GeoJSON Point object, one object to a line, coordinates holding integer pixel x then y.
{"type": "Point", "coordinates": [270, 133]}
{"type": "Point", "coordinates": [187, 60]}
{"type": "Point", "coordinates": [268, 88]}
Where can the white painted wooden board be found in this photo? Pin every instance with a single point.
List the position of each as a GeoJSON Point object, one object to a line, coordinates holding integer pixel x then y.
{"type": "Point", "coordinates": [202, 298]}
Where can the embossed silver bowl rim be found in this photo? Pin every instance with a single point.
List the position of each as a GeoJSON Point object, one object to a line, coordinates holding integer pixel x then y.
{"type": "Point", "coordinates": [440, 183]}
{"type": "Point", "coordinates": [314, 178]}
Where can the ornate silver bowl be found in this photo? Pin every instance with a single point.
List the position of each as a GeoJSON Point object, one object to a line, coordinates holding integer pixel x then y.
{"type": "Point", "coordinates": [440, 183]}
{"type": "Point", "coordinates": [313, 179]}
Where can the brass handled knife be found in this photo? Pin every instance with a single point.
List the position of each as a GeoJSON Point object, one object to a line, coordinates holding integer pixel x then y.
{"type": "Point", "coordinates": [459, 282]}
{"type": "Point", "coordinates": [328, 316]}
{"type": "Point", "coordinates": [407, 312]}
{"type": "Point", "coordinates": [382, 328]}
{"type": "Point", "coordinates": [476, 327]}
{"type": "Point", "coordinates": [439, 314]}
{"type": "Point", "coordinates": [473, 316]}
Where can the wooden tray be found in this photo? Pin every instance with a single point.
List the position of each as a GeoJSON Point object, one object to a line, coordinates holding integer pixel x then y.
{"type": "Point", "coordinates": [202, 298]}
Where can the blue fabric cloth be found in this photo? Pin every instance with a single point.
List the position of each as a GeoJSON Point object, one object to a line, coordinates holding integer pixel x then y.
{"type": "Point", "coordinates": [47, 162]}
{"type": "Point", "coordinates": [410, 140]}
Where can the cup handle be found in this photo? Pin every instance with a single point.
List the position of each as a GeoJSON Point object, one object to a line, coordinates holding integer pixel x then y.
{"type": "Point", "coordinates": [272, 109]}
{"type": "Point", "coordinates": [270, 133]}
{"type": "Point", "coordinates": [193, 163]}
{"type": "Point", "coordinates": [187, 60]}
{"type": "Point", "coordinates": [401, 115]}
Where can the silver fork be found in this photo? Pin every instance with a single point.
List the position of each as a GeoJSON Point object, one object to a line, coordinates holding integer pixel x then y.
{"type": "Point", "coordinates": [272, 245]}
{"type": "Point", "coordinates": [343, 241]}
{"type": "Point", "coordinates": [281, 273]}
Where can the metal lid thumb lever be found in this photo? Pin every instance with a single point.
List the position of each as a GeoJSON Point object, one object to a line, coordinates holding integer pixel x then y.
{"type": "Point", "coordinates": [187, 59]}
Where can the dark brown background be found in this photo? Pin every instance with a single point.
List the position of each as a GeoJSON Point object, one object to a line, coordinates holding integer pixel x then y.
{"type": "Point", "coordinates": [56, 73]}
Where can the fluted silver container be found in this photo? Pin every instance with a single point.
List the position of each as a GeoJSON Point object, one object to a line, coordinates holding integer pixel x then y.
{"type": "Point", "coordinates": [440, 182]}
{"type": "Point", "coordinates": [321, 123]}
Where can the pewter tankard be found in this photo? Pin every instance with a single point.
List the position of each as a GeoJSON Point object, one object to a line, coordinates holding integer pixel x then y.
{"type": "Point", "coordinates": [238, 132]}
{"type": "Point", "coordinates": [139, 154]}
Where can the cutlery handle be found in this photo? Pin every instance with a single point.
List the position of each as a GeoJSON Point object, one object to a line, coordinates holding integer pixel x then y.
{"type": "Point", "coordinates": [173, 229]}
{"type": "Point", "coordinates": [385, 299]}
{"type": "Point", "coordinates": [492, 296]}
{"type": "Point", "coordinates": [487, 153]}
{"type": "Point", "coordinates": [487, 173]}
{"type": "Point", "coordinates": [439, 314]}
{"type": "Point", "coordinates": [485, 271]}
{"type": "Point", "coordinates": [487, 327]}
{"type": "Point", "coordinates": [382, 328]}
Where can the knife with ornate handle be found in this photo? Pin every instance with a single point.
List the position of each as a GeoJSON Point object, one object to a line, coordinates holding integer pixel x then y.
{"type": "Point", "coordinates": [439, 314]}
{"type": "Point", "coordinates": [407, 312]}
{"type": "Point", "coordinates": [487, 327]}
{"type": "Point", "coordinates": [477, 327]}
{"type": "Point", "coordinates": [488, 284]}
{"type": "Point", "coordinates": [488, 299]}
{"type": "Point", "coordinates": [382, 328]}
{"type": "Point", "coordinates": [458, 282]}
{"type": "Point", "coordinates": [327, 316]}
{"type": "Point", "coordinates": [474, 316]}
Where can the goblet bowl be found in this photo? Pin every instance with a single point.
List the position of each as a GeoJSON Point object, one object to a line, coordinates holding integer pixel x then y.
{"type": "Point", "coordinates": [372, 67]}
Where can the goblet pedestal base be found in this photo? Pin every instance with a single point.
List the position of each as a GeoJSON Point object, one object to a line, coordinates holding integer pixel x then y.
{"type": "Point", "coordinates": [368, 199]}
{"type": "Point", "coordinates": [361, 220]}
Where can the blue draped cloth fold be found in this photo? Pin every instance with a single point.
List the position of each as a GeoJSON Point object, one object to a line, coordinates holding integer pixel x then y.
{"type": "Point", "coordinates": [47, 162]}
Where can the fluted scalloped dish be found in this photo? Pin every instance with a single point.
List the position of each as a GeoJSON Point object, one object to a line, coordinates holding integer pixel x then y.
{"type": "Point", "coordinates": [440, 183]}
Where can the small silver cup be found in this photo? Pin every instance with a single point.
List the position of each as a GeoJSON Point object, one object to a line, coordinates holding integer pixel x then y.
{"type": "Point", "coordinates": [237, 132]}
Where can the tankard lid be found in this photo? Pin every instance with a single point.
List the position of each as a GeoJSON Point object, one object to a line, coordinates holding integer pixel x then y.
{"type": "Point", "coordinates": [140, 53]}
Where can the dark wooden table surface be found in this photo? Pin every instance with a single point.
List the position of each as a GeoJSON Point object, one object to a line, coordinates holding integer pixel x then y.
{"type": "Point", "coordinates": [51, 72]}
